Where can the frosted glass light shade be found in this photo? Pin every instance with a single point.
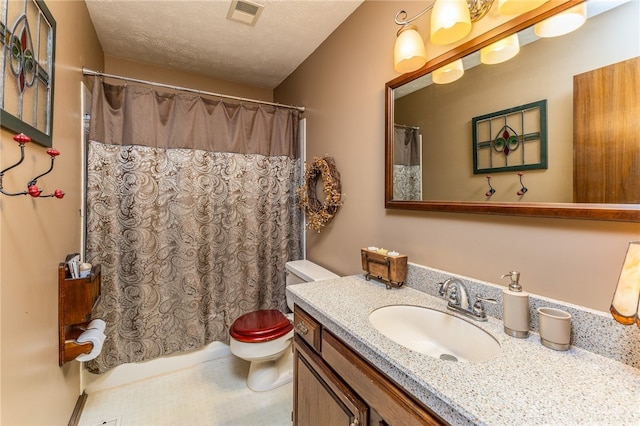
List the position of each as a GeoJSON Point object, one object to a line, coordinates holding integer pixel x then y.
{"type": "Point", "coordinates": [516, 7]}
{"type": "Point", "coordinates": [409, 53]}
{"type": "Point", "coordinates": [501, 50]}
{"type": "Point", "coordinates": [449, 73]}
{"type": "Point", "coordinates": [562, 23]}
{"type": "Point", "coordinates": [624, 306]}
{"type": "Point", "coordinates": [450, 21]}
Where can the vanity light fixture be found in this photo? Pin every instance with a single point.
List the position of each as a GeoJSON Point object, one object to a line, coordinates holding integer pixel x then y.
{"type": "Point", "coordinates": [517, 7]}
{"type": "Point", "coordinates": [562, 23]}
{"type": "Point", "coordinates": [448, 73]}
{"type": "Point", "coordinates": [500, 51]}
{"type": "Point", "coordinates": [451, 21]}
{"type": "Point", "coordinates": [625, 305]}
{"type": "Point", "coordinates": [409, 53]}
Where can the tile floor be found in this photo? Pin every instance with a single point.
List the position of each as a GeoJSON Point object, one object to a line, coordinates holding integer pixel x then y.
{"type": "Point", "coordinates": [211, 393]}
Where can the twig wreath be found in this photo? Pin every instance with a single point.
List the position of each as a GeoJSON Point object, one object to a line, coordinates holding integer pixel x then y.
{"type": "Point", "coordinates": [318, 213]}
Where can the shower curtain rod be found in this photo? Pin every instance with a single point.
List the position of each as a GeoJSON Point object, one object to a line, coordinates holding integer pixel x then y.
{"type": "Point", "coordinates": [86, 71]}
{"type": "Point", "coordinates": [404, 126]}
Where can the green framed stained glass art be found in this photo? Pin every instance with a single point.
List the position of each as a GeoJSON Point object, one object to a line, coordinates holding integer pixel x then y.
{"type": "Point", "coordinates": [511, 139]}
{"type": "Point", "coordinates": [27, 56]}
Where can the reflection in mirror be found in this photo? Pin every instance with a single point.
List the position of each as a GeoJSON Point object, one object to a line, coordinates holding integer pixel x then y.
{"type": "Point", "coordinates": [437, 121]}
{"type": "Point", "coordinates": [407, 162]}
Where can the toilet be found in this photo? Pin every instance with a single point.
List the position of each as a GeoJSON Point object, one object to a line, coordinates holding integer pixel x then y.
{"type": "Point", "coordinates": [264, 337]}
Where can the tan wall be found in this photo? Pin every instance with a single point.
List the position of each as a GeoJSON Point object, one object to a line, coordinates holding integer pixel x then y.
{"type": "Point", "coordinates": [36, 234]}
{"type": "Point", "coordinates": [137, 70]}
{"type": "Point", "coordinates": [342, 86]}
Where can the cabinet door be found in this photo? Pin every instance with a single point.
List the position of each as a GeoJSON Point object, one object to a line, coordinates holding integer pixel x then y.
{"type": "Point", "coordinates": [383, 397]}
{"type": "Point", "coordinates": [320, 397]}
{"type": "Point", "coordinates": [606, 108]}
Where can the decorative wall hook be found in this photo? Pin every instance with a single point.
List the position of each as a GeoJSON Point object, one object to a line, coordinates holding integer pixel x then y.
{"type": "Point", "coordinates": [32, 188]}
{"type": "Point", "coordinates": [523, 189]}
{"type": "Point", "coordinates": [491, 191]}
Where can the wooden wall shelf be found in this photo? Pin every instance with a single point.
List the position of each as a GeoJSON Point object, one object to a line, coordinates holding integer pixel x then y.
{"type": "Point", "coordinates": [76, 298]}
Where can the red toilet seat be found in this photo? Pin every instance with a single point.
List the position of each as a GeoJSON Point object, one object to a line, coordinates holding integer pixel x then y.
{"type": "Point", "coordinates": [260, 326]}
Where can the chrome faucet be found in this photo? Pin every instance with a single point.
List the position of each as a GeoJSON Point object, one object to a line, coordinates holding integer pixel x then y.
{"type": "Point", "coordinates": [458, 297]}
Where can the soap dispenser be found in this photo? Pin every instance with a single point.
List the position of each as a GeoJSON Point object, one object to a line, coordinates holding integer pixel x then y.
{"type": "Point", "coordinates": [515, 308]}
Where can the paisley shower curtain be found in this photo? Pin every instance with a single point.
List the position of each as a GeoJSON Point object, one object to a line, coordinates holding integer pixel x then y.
{"type": "Point", "coordinates": [407, 164]}
{"type": "Point", "coordinates": [191, 211]}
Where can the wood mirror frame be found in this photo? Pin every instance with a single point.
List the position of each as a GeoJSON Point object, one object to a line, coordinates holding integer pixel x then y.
{"type": "Point", "coordinates": [614, 212]}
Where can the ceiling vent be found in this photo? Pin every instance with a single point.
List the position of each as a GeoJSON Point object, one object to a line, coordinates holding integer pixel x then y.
{"type": "Point", "coordinates": [244, 11]}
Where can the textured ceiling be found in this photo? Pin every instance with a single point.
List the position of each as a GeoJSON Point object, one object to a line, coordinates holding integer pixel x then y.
{"type": "Point", "coordinates": [195, 35]}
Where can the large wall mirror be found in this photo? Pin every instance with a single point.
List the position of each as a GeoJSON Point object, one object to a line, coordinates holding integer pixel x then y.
{"type": "Point", "coordinates": [553, 131]}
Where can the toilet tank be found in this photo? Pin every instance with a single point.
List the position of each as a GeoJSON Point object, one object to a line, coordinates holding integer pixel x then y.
{"type": "Point", "coordinates": [304, 271]}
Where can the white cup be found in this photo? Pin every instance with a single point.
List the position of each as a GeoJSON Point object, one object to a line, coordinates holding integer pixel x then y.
{"type": "Point", "coordinates": [85, 269]}
{"type": "Point", "coordinates": [555, 328]}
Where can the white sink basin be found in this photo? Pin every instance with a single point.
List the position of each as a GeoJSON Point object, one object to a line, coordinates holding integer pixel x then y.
{"type": "Point", "coordinates": [434, 333]}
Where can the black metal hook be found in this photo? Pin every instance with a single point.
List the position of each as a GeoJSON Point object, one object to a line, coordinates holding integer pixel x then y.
{"type": "Point", "coordinates": [491, 190]}
{"type": "Point", "coordinates": [32, 188]}
{"type": "Point", "coordinates": [523, 189]}
{"type": "Point", "coordinates": [21, 139]}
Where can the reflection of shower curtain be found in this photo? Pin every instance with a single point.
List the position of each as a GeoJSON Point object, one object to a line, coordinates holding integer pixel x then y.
{"type": "Point", "coordinates": [407, 170]}
{"type": "Point", "coordinates": [191, 211]}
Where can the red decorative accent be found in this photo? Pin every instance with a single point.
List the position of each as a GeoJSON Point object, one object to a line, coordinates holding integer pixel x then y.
{"type": "Point", "coordinates": [32, 187]}
{"type": "Point", "coordinates": [491, 190]}
{"type": "Point", "coordinates": [23, 44]}
{"type": "Point", "coordinates": [505, 135]}
{"type": "Point", "coordinates": [34, 191]}
{"type": "Point", "coordinates": [21, 138]}
{"type": "Point", "coordinates": [524, 189]}
{"type": "Point", "coordinates": [260, 326]}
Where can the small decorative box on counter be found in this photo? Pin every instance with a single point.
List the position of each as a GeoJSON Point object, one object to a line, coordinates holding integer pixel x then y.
{"type": "Point", "coordinates": [387, 266]}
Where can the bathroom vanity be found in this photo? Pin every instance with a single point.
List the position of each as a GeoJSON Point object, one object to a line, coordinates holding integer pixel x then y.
{"type": "Point", "coordinates": [346, 372]}
{"type": "Point", "coordinates": [335, 384]}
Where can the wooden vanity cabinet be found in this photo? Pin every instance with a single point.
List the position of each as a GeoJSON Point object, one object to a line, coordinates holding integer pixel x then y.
{"type": "Point", "coordinates": [307, 328]}
{"type": "Point", "coordinates": [320, 397]}
{"type": "Point", "coordinates": [333, 385]}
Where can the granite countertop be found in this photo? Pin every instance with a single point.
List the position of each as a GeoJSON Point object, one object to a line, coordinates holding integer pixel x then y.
{"type": "Point", "coordinates": [526, 383]}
